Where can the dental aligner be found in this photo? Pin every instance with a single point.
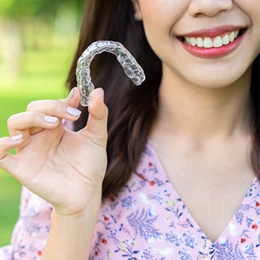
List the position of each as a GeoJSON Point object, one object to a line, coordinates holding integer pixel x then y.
{"type": "Point", "coordinates": [132, 69]}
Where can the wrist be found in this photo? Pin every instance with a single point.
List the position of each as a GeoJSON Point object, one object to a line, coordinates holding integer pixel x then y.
{"type": "Point", "coordinates": [71, 234]}
{"type": "Point", "coordinates": [76, 206]}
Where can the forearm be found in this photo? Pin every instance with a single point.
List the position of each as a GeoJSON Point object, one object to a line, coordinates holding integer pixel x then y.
{"type": "Point", "coordinates": [71, 236]}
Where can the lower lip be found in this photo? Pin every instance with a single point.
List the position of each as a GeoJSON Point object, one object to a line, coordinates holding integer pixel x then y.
{"type": "Point", "coordinates": [213, 52]}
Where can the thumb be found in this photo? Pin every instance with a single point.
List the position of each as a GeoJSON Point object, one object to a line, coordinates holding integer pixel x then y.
{"type": "Point", "coordinates": [98, 114]}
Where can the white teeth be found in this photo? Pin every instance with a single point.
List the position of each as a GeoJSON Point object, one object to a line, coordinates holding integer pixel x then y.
{"type": "Point", "coordinates": [200, 42]}
{"type": "Point", "coordinates": [208, 42]}
{"type": "Point", "coordinates": [188, 41]}
{"type": "Point", "coordinates": [193, 41]}
{"type": "Point", "coordinates": [225, 40]}
{"type": "Point", "coordinates": [231, 37]}
{"type": "Point", "coordinates": [217, 42]}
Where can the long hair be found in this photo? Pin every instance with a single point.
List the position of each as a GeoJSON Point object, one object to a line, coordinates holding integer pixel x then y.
{"type": "Point", "coordinates": [132, 109]}
{"type": "Point", "coordinates": [255, 109]}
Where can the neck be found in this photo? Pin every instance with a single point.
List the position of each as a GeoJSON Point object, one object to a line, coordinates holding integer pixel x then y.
{"type": "Point", "coordinates": [201, 112]}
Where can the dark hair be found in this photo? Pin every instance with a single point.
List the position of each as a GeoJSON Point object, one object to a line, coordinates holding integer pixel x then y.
{"type": "Point", "coordinates": [132, 109]}
{"type": "Point", "coordinates": [255, 108]}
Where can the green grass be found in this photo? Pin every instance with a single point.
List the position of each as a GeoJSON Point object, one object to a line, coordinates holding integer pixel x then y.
{"type": "Point", "coordinates": [42, 76]}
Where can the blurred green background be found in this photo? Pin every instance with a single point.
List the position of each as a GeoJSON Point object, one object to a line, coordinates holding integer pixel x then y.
{"type": "Point", "coordinates": [37, 43]}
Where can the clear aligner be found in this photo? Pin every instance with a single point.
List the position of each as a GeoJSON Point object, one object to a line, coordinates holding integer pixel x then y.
{"type": "Point", "coordinates": [132, 69]}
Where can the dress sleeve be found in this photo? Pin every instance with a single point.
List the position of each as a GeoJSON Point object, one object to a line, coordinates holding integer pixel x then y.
{"type": "Point", "coordinates": [32, 229]}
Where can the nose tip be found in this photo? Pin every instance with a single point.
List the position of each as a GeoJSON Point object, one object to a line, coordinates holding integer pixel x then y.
{"type": "Point", "coordinates": [209, 7]}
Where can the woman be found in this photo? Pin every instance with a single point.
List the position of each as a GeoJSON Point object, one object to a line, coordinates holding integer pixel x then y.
{"type": "Point", "coordinates": [182, 154]}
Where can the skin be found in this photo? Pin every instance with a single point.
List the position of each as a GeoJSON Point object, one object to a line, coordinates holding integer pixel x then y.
{"type": "Point", "coordinates": [191, 95]}
{"type": "Point", "coordinates": [61, 165]}
{"type": "Point", "coordinates": [164, 20]}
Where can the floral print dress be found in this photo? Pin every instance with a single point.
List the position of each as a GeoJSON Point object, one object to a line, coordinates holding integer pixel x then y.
{"type": "Point", "coordinates": [146, 221]}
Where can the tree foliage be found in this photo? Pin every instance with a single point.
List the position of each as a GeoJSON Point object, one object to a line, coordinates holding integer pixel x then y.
{"type": "Point", "coordinates": [23, 9]}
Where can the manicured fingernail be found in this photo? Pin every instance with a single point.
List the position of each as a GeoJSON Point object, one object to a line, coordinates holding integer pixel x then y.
{"type": "Point", "coordinates": [71, 94]}
{"type": "Point", "coordinates": [17, 137]}
{"type": "Point", "coordinates": [51, 119]}
{"type": "Point", "coordinates": [73, 111]}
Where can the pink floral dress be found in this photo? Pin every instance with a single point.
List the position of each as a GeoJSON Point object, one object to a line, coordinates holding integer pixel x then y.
{"type": "Point", "coordinates": [147, 220]}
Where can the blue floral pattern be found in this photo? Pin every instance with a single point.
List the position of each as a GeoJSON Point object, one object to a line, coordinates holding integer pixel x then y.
{"type": "Point", "coordinates": [147, 220]}
{"type": "Point", "coordinates": [152, 222]}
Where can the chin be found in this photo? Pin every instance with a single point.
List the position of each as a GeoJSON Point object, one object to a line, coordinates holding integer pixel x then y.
{"type": "Point", "coordinates": [223, 79]}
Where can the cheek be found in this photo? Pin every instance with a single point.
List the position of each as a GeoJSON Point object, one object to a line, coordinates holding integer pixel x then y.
{"type": "Point", "coordinates": [257, 30]}
{"type": "Point", "coordinates": [252, 10]}
{"type": "Point", "coordinates": [158, 21]}
{"type": "Point", "coordinates": [157, 32]}
{"type": "Point", "coordinates": [160, 18]}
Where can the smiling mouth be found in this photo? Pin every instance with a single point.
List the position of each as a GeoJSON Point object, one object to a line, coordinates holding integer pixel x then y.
{"type": "Point", "coordinates": [213, 42]}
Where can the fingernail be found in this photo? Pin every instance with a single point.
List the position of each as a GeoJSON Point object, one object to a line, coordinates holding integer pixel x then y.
{"type": "Point", "coordinates": [73, 111]}
{"type": "Point", "coordinates": [17, 137]}
{"type": "Point", "coordinates": [50, 119]}
{"type": "Point", "coordinates": [71, 94]}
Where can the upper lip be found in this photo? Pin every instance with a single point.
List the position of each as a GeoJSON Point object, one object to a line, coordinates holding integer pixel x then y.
{"type": "Point", "coordinates": [213, 32]}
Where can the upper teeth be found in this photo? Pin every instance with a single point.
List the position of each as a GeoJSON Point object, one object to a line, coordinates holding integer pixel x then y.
{"type": "Point", "coordinates": [208, 42]}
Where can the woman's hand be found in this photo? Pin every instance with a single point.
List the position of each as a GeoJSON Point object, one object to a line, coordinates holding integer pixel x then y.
{"type": "Point", "coordinates": [63, 167]}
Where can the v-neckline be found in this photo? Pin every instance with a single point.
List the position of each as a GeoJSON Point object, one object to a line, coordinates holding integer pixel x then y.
{"type": "Point", "coordinates": [176, 195]}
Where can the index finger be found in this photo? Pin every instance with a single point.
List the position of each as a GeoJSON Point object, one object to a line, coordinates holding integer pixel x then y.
{"type": "Point", "coordinates": [63, 108]}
